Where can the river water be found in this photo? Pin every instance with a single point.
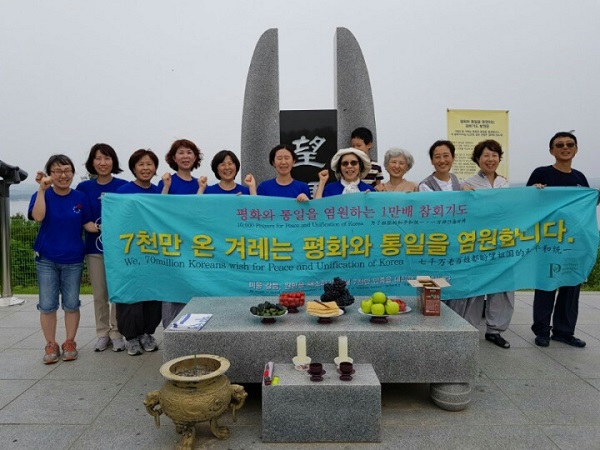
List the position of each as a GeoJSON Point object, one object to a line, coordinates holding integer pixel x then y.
{"type": "Point", "coordinates": [19, 206]}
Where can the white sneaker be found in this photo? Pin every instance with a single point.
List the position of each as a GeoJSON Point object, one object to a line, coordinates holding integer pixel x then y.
{"type": "Point", "coordinates": [118, 344]}
{"type": "Point", "coordinates": [133, 347]}
{"type": "Point", "coordinates": [148, 342]}
{"type": "Point", "coordinates": [101, 344]}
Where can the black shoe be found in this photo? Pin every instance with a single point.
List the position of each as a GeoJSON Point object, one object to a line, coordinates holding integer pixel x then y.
{"type": "Point", "coordinates": [569, 340]}
{"type": "Point", "coordinates": [542, 341]}
{"type": "Point", "coordinates": [497, 339]}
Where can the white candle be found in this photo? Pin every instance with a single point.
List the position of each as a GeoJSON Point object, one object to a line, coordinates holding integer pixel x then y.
{"type": "Point", "coordinates": [301, 346]}
{"type": "Point", "coordinates": [343, 347]}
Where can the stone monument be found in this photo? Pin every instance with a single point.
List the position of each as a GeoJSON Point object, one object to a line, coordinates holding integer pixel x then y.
{"type": "Point", "coordinates": [261, 114]}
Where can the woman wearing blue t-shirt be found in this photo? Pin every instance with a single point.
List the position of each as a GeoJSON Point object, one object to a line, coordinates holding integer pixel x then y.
{"type": "Point", "coordinates": [226, 165]}
{"type": "Point", "coordinates": [183, 156]}
{"type": "Point", "coordinates": [138, 321]}
{"type": "Point", "coordinates": [102, 163]}
{"type": "Point", "coordinates": [283, 159]}
{"type": "Point", "coordinates": [349, 165]}
{"type": "Point", "coordinates": [59, 249]}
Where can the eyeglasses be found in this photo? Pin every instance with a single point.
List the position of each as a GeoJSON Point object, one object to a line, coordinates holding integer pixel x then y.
{"type": "Point", "coordinates": [56, 172]}
{"type": "Point", "coordinates": [562, 145]}
{"type": "Point", "coordinates": [352, 163]}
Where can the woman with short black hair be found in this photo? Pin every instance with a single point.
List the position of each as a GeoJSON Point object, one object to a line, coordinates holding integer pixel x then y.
{"type": "Point", "coordinates": [63, 213]}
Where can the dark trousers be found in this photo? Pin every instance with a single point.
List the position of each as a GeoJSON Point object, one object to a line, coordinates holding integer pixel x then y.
{"type": "Point", "coordinates": [563, 309]}
{"type": "Point", "coordinates": [138, 318]}
{"type": "Point", "coordinates": [170, 310]}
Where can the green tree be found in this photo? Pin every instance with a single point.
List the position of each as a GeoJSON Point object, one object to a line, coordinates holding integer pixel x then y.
{"type": "Point", "coordinates": [593, 281]}
{"type": "Point", "coordinates": [23, 275]}
{"type": "Point", "coordinates": [22, 262]}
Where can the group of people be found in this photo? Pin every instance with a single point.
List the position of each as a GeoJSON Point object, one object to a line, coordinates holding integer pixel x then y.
{"type": "Point", "coordinates": [64, 213]}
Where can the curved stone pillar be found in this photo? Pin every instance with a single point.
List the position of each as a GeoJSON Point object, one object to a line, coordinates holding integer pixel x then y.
{"type": "Point", "coordinates": [260, 119]}
{"type": "Point", "coordinates": [353, 96]}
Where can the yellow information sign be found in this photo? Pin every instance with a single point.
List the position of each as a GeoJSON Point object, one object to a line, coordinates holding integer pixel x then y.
{"type": "Point", "coordinates": [468, 127]}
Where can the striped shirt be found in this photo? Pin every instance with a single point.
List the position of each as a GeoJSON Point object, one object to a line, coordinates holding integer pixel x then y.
{"type": "Point", "coordinates": [374, 174]}
{"type": "Point", "coordinates": [480, 181]}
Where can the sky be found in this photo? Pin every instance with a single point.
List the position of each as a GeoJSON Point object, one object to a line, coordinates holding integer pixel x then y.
{"type": "Point", "coordinates": [142, 73]}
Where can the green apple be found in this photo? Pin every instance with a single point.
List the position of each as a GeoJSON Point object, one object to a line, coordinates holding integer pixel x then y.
{"type": "Point", "coordinates": [379, 297]}
{"type": "Point", "coordinates": [365, 305]}
{"type": "Point", "coordinates": [392, 308]}
{"type": "Point", "coordinates": [378, 309]}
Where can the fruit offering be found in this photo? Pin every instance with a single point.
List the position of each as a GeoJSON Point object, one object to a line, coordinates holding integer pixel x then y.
{"type": "Point", "coordinates": [401, 303]}
{"type": "Point", "coordinates": [268, 309]}
{"type": "Point", "coordinates": [380, 305]}
{"type": "Point", "coordinates": [292, 300]}
{"type": "Point", "coordinates": [337, 292]}
{"type": "Point", "coordinates": [322, 309]}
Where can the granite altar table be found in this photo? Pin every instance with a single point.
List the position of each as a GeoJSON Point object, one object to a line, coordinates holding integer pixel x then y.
{"type": "Point", "coordinates": [410, 348]}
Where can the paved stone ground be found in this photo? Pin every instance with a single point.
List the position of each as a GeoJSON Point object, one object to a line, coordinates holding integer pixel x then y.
{"type": "Point", "coordinates": [524, 398]}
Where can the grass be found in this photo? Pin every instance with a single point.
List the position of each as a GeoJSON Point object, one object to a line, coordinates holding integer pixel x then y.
{"type": "Point", "coordinates": [587, 288]}
{"type": "Point", "coordinates": [33, 290]}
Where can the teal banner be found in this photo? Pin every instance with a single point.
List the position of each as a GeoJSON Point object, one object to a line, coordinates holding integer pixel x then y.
{"type": "Point", "coordinates": [175, 247]}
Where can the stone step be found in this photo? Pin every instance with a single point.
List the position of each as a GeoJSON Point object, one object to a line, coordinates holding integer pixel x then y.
{"type": "Point", "coordinates": [300, 410]}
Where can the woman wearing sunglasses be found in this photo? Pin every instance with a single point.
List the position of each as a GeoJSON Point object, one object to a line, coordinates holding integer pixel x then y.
{"type": "Point", "coordinates": [349, 165]}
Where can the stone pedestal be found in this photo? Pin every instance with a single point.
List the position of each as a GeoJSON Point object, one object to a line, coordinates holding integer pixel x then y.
{"type": "Point", "coordinates": [451, 396]}
{"type": "Point", "coordinates": [441, 349]}
{"type": "Point", "coordinates": [331, 410]}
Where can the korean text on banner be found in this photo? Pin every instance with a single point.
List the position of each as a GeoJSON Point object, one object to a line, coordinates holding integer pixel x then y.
{"type": "Point", "coordinates": [173, 248]}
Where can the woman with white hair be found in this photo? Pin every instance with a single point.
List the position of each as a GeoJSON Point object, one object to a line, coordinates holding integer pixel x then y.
{"type": "Point", "coordinates": [397, 162]}
{"type": "Point", "coordinates": [349, 165]}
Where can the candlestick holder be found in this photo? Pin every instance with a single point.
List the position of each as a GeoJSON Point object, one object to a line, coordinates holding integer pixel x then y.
{"type": "Point", "coordinates": [301, 364]}
{"type": "Point", "coordinates": [316, 371]}
{"type": "Point", "coordinates": [337, 360]}
{"type": "Point", "coordinates": [346, 370]}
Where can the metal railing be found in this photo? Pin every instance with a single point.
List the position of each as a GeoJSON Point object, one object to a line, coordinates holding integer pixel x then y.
{"type": "Point", "coordinates": [22, 263]}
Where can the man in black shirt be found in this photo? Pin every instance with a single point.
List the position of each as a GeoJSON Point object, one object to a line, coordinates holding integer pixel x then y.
{"type": "Point", "coordinates": [563, 308]}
